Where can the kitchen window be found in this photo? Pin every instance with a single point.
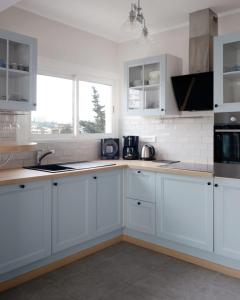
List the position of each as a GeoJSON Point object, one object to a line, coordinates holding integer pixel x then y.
{"type": "Point", "coordinates": [95, 105]}
{"type": "Point", "coordinates": [54, 115]}
{"type": "Point", "coordinates": [69, 107]}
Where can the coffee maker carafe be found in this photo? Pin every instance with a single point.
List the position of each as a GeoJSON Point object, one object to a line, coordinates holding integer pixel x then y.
{"type": "Point", "coordinates": [130, 147]}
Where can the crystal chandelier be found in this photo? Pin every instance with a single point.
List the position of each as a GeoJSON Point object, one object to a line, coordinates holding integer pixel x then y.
{"type": "Point", "coordinates": [136, 17]}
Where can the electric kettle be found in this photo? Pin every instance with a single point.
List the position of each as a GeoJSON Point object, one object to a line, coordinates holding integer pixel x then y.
{"type": "Point", "coordinates": [147, 152]}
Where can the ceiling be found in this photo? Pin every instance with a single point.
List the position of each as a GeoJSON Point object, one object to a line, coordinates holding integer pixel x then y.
{"type": "Point", "coordinates": [4, 4]}
{"type": "Point", "coordinates": [106, 17]}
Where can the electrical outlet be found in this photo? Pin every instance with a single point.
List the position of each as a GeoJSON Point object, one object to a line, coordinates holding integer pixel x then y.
{"type": "Point", "coordinates": [148, 139]}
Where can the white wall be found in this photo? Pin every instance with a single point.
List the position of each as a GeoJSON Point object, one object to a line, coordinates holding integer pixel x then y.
{"type": "Point", "coordinates": [62, 43]}
{"type": "Point", "coordinates": [175, 42]}
{"type": "Point", "coordinates": [186, 139]}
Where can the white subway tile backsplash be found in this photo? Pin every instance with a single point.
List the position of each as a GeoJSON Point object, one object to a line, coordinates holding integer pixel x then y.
{"type": "Point", "coordinates": [65, 152]}
{"type": "Point", "coordinates": [186, 139]}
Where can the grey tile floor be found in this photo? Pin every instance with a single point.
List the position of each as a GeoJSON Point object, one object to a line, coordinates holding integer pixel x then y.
{"type": "Point", "coordinates": [124, 272]}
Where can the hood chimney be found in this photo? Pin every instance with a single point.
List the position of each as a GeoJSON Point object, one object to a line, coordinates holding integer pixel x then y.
{"type": "Point", "coordinates": [203, 28]}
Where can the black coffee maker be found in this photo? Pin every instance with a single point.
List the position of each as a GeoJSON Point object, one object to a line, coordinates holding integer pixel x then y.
{"type": "Point", "coordinates": [130, 147]}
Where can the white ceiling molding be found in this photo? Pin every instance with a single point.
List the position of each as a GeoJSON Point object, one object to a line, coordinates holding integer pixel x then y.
{"type": "Point", "coordinates": [229, 13]}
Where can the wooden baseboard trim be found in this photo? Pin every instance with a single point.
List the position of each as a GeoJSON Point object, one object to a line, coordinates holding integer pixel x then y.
{"type": "Point", "coordinates": [6, 285]}
{"type": "Point", "coordinates": [185, 257]}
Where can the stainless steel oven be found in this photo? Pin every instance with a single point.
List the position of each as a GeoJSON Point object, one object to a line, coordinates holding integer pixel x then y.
{"type": "Point", "coordinates": [227, 145]}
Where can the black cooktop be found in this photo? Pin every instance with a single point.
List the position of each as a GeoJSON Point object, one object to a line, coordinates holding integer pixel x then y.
{"type": "Point", "coordinates": [166, 161]}
{"type": "Point", "coordinates": [190, 166]}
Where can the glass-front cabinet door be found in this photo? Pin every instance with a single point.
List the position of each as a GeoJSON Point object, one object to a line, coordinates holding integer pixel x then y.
{"type": "Point", "coordinates": [152, 86]}
{"type": "Point", "coordinates": [148, 87]}
{"type": "Point", "coordinates": [143, 88]}
{"type": "Point", "coordinates": [18, 60]}
{"type": "Point", "coordinates": [227, 73]}
{"type": "Point", "coordinates": [135, 88]}
{"type": "Point", "coordinates": [3, 71]}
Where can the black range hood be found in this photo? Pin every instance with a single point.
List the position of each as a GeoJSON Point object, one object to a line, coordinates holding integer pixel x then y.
{"type": "Point", "coordinates": [194, 92]}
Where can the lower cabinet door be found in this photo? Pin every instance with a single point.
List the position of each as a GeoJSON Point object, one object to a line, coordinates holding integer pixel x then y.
{"type": "Point", "coordinates": [108, 201]}
{"type": "Point", "coordinates": [185, 210]}
{"type": "Point", "coordinates": [227, 217]}
{"type": "Point", "coordinates": [70, 212]}
{"type": "Point", "coordinates": [140, 216]}
{"type": "Point", "coordinates": [25, 224]}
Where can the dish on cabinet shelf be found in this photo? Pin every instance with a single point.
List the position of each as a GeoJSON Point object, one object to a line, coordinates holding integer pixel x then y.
{"type": "Point", "coordinates": [15, 72]}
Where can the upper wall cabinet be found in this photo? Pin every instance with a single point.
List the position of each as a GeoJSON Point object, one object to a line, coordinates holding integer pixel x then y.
{"type": "Point", "coordinates": [148, 87]}
{"type": "Point", "coordinates": [18, 68]}
{"type": "Point", "coordinates": [227, 73]}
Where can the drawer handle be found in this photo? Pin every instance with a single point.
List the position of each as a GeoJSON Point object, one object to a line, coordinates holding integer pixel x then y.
{"type": "Point", "coordinates": [22, 186]}
{"type": "Point", "coordinates": [94, 177]}
{"type": "Point", "coordinates": [216, 185]}
{"type": "Point", "coordinates": [139, 172]}
{"type": "Point", "coordinates": [209, 183]}
{"type": "Point", "coordinates": [55, 184]}
{"type": "Point", "coordinates": [139, 203]}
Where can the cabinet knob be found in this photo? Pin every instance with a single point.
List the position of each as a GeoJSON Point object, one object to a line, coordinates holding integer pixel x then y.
{"type": "Point", "coordinates": [22, 186]}
{"type": "Point", "coordinates": [138, 172]}
{"type": "Point", "coordinates": [209, 183]}
{"type": "Point", "coordinates": [216, 105]}
{"type": "Point", "coordinates": [94, 177]}
{"type": "Point", "coordinates": [139, 203]}
{"type": "Point", "coordinates": [216, 185]}
{"type": "Point", "coordinates": [55, 184]}
{"type": "Point", "coordinates": [162, 109]}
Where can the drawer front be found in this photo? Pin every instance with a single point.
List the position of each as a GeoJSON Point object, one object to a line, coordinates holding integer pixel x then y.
{"type": "Point", "coordinates": [141, 185]}
{"type": "Point", "coordinates": [140, 216]}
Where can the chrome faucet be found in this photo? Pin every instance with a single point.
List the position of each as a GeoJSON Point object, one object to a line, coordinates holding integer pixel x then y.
{"type": "Point", "coordinates": [41, 155]}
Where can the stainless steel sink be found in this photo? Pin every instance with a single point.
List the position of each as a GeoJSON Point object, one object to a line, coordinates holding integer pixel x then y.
{"type": "Point", "coordinates": [87, 165]}
{"type": "Point", "coordinates": [53, 168]}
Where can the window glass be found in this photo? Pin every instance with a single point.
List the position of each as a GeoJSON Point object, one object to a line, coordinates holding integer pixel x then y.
{"type": "Point", "coordinates": [95, 107]}
{"type": "Point", "coordinates": [54, 115]}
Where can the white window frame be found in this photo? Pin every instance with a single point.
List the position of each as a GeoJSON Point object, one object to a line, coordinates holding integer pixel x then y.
{"type": "Point", "coordinates": [75, 106]}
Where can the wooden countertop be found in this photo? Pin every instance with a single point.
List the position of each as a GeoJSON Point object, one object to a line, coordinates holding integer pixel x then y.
{"type": "Point", "coordinates": [20, 175]}
{"type": "Point", "coordinates": [11, 147]}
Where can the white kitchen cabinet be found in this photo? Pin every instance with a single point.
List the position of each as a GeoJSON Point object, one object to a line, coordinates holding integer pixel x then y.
{"type": "Point", "coordinates": [185, 210]}
{"type": "Point", "coordinates": [108, 188]}
{"type": "Point", "coordinates": [148, 87]}
{"type": "Point", "coordinates": [72, 212]}
{"type": "Point", "coordinates": [25, 224]}
{"type": "Point", "coordinates": [86, 206]}
{"type": "Point", "coordinates": [18, 70]}
{"type": "Point", "coordinates": [226, 217]}
{"type": "Point", "coordinates": [140, 216]}
{"type": "Point", "coordinates": [141, 185]}
{"type": "Point", "coordinates": [227, 73]}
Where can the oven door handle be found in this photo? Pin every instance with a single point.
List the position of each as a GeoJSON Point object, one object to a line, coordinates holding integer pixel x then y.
{"type": "Point", "coordinates": [227, 130]}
